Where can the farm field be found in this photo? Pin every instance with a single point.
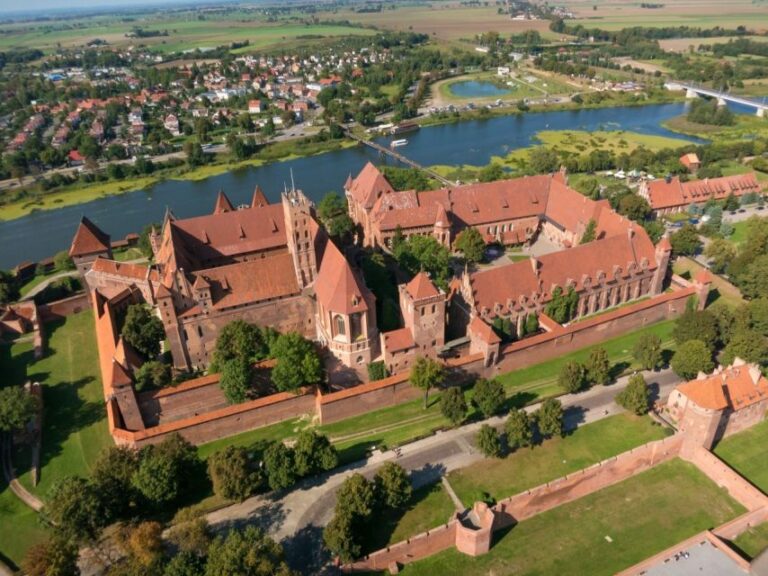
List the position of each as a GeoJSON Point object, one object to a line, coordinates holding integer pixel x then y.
{"type": "Point", "coordinates": [617, 14]}
{"type": "Point", "coordinates": [684, 44]}
{"type": "Point", "coordinates": [183, 34]}
{"type": "Point", "coordinates": [604, 532]}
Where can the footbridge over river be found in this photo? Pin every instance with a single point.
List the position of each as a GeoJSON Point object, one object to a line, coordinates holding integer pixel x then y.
{"type": "Point", "coordinates": [693, 91]}
{"type": "Point", "coordinates": [403, 159]}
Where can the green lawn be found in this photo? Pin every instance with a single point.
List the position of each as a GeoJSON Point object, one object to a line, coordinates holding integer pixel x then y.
{"type": "Point", "coordinates": [530, 467]}
{"type": "Point", "coordinates": [74, 420]}
{"type": "Point", "coordinates": [747, 453]}
{"type": "Point", "coordinates": [753, 541]}
{"type": "Point", "coordinates": [19, 526]}
{"type": "Point", "coordinates": [641, 516]}
{"type": "Point", "coordinates": [430, 506]}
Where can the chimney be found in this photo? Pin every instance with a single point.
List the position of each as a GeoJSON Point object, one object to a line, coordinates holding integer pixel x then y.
{"type": "Point", "coordinates": [535, 265]}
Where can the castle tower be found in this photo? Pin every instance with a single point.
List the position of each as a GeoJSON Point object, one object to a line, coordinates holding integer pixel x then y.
{"type": "Point", "coordinates": [663, 252]}
{"type": "Point", "coordinates": [298, 213]}
{"type": "Point", "coordinates": [423, 308]}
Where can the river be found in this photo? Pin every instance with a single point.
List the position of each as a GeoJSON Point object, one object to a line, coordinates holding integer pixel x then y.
{"type": "Point", "coordinates": [44, 233]}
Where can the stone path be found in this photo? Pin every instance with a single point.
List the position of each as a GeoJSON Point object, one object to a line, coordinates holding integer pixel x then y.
{"type": "Point", "coordinates": [456, 500]}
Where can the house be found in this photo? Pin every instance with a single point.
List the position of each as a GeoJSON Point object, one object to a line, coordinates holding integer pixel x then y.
{"type": "Point", "coordinates": [690, 161]}
{"type": "Point", "coordinates": [670, 195]}
{"type": "Point", "coordinates": [254, 107]}
{"type": "Point", "coordinates": [74, 158]}
{"type": "Point", "coordinates": [171, 124]}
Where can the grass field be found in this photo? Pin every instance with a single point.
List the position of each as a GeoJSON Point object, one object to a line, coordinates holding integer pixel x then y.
{"type": "Point", "coordinates": [684, 44]}
{"type": "Point", "coordinates": [721, 291]}
{"type": "Point", "coordinates": [74, 420]}
{"type": "Point", "coordinates": [601, 533]}
{"type": "Point", "coordinates": [753, 541]}
{"type": "Point", "coordinates": [747, 126]}
{"type": "Point", "coordinates": [443, 93]}
{"type": "Point", "coordinates": [430, 506]}
{"type": "Point", "coordinates": [747, 453]}
{"type": "Point", "coordinates": [20, 527]}
{"type": "Point", "coordinates": [526, 468]}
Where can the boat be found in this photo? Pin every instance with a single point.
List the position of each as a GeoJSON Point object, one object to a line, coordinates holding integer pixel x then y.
{"type": "Point", "coordinates": [404, 127]}
{"type": "Point", "coordinates": [396, 143]}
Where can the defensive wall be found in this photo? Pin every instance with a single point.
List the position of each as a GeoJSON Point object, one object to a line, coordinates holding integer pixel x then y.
{"type": "Point", "coordinates": [63, 308]}
{"type": "Point", "coordinates": [529, 503]}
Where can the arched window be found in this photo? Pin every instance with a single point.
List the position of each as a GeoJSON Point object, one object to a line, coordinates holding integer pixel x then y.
{"type": "Point", "coordinates": [340, 327]}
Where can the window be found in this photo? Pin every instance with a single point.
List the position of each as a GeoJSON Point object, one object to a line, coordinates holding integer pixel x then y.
{"type": "Point", "coordinates": [340, 327]}
{"type": "Point", "coordinates": [200, 331]}
{"type": "Point", "coordinates": [433, 308]}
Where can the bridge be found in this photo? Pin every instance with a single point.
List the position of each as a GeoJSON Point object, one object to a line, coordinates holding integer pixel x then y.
{"type": "Point", "coordinates": [693, 91]}
{"type": "Point", "coordinates": [400, 158]}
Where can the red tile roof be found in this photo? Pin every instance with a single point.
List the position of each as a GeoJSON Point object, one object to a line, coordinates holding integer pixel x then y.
{"type": "Point", "coordinates": [252, 281]}
{"type": "Point", "coordinates": [673, 193]}
{"type": "Point", "coordinates": [369, 185]}
{"type": "Point", "coordinates": [421, 287]}
{"type": "Point", "coordinates": [259, 199]}
{"type": "Point", "coordinates": [88, 239]}
{"type": "Point", "coordinates": [134, 271]}
{"type": "Point", "coordinates": [484, 331]}
{"type": "Point", "coordinates": [689, 160]}
{"type": "Point", "coordinates": [398, 340]}
{"type": "Point", "coordinates": [222, 203]}
{"type": "Point", "coordinates": [736, 386]}
{"type": "Point", "coordinates": [337, 287]}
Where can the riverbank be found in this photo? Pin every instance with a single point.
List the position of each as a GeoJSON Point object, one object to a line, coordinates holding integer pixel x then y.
{"type": "Point", "coordinates": [75, 194]}
{"type": "Point", "coordinates": [747, 126]}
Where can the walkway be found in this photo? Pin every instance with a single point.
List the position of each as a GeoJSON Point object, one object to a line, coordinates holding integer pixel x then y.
{"type": "Point", "coordinates": [297, 517]}
{"type": "Point", "coordinates": [47, 282]}
{"type": "Point", "coordinates": [10, 477]}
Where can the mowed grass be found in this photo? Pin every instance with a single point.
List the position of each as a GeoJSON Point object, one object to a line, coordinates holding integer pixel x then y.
{"type": "Point", "coordinates": [747, 453]}
{"type": "Point", "coordinates": [429, 507]}
{"type": "Point", "coordinates": [530, 467]}
{"type": "Point", "coordinates": [721, 290]}
{"type": "Point", "coordinates": [642, 516]}
{"type": "Point", "coordinates": [753, 541]}
{"type": "Point", "coordinates": [20, 526]}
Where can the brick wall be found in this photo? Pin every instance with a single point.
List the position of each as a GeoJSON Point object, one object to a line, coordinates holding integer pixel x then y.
{"type": "Point", "coordinates": [590, 331]}
{"type": "Point", "coordinates": [63, 308]}
{"type": "Point", "coordinates": [586, 481]}
{"type": "Point", "coordinates": [737, 526]}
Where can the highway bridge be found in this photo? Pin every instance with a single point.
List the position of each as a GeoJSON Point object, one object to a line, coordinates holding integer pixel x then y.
{"type": "Point", "coordinates": [693, 91]}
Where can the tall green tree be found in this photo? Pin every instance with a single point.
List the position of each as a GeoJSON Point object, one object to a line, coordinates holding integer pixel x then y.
{"type": "Point", "coordinates": [647, 351]}
{"type": "Point", "coordinates": [332, 211]}
{"type": "Point", "coordinates": [239, 339]}
{"type": "Point", "coordinates": [248, 552]}
{"type": "Point", "coordinates": [488, 396]}
{"type": "Point", "coordinates": [635, 396]}
{"type": "Point", "coordinates": [572, 377]}
{"type": "Point", "coordinates": [470, 243]}
{"type": "Point", "coordinates": [392, 485]}
{"type": "Point", "coordinates": [17, 408]}
{"type": "Point", "coordinates": [280, 466]}
{"type": "Point", "coordinates": [75, 508]}
{"type": "Point", "coordinates": [549, 418]}
{"type": "Point", "coordinates": [453, 405]}
{"type": "Point", "coordinates": [235, 380]}
{"type": "Point", "coordinates": [57, 556]}
{"type": "Point", "coordinates": [696, 325]}
{"type": "Point", "coordinates": [692, 357]}
{"type": "Point", "coordinates": [518, 429]}
{"type": "Point", "coordinates": [313, 453]}
{"type": "Point", "coordinates": [298, 363]}
{"type": "Point", "coordinates": [143, 330]}
{"type": "Point", "coordinates": [598, 367]}
{"type": "Point", "coordinates": [232, 473]}
{"type": "Point", "coordinates": [111, 478]}
{"type": "Point", "coordinates": [488, 442]}
{"type": "Point", "coordinates": [685, 241]}
{"type": "Point", "coordinates": [425, 375]}
{"type": "Point", "coordinates": [590, 232]}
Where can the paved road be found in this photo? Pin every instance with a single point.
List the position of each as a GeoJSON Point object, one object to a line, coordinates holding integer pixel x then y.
{"type": "Point", "coordinates": [297, 518]}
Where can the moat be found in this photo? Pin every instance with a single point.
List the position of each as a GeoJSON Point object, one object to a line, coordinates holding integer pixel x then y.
{"type": "Point", "coordinates": [470, 142]}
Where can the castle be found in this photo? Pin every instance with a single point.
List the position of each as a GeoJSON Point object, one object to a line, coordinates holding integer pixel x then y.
{"type": "Point", "coordinates": [271, 264]}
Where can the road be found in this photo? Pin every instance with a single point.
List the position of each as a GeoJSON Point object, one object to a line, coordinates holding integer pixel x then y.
{"type": "Point", "coordinates": [297, 518]}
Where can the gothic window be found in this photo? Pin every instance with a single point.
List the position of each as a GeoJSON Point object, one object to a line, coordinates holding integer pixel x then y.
{"type": "Point", "coordinates": [340, 327]}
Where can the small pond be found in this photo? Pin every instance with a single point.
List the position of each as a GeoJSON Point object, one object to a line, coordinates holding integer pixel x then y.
{"type": "Point", "coordinates": [477, 89]}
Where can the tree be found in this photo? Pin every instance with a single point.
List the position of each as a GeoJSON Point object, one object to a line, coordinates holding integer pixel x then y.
{"type": "Point", "coordinates": [748, 345]}
{"type": "Point", "coordinates": [720, 253]}
{"type": "Point", "coordinates": [731, 203]}
{"type": "Point", "coordinates": [156, 477]}
{"type": "Point", "coordinates": [377, 371]}
{"type": "Point", "coordinates": [550, 418]}
{"type": "Point", "coordinates": [392, 485]}
{"type": "Point", "coordinates": [313, 453]}
{"type": "Point", "coordinates": [531, 324]}
{"type": "Point", "coordinates": [753, 281]}
{"type": "Point", "coordinates": [453, 405]}
{"type": "Point", "coordinates": [235, 380]}
{"type": "Point", "coordinates": [572, 377]}
{"type": "Point", "coordinates": [696, 325]}
{"type": "Point", "coordinates": [635, 396]}
{"type": "Point", "coordinates": [355, 497]}
{"type": "Point", "coordinates": [490, 173]}
{"type": "Point", "coordinates": [280, 466]}
{"type": "Point", "coordinates": [488, 441]}
{"type": "Point", "coordinates": [518, 429]}
{"type": "Point", "coordinates": [185, 564]}
{"type": "Point", "coordinates": [685, 241]}
{"type": "Point", "coordinates": [194, 153]}
{"type": "Point", "coordinates": [425, 374]}
{"type": "Point", "coordinates": [111, 478]}
{"type": "Point", "coordinates": [470, 243]}
{"type": "Point", "coordinates": [62, 262]}
{"type": "Point", "coordinates": [143, 542]}
{"type": "Point", "coordinates": [488, 396]}
{"type": "Point", "coordinates": [143, 330]}
{"type": "Point", "coordinates": [339, 537]}
{"type": "Point", "coordinates": [333, 214]}
{"type": "Point", "coordinates": [590, 232]}
{"type": "Point", "coordinates": [55, 557]}
{"type": "Point", "coordinates": [241, 340]}
{"type": "Point", "coordinates": [425, 253]}
{"type": "Point", "coordinates": [9, 288]}
{"type": "Point", "coordinates": [647, 351]}
{"type": "Point", "coordinates": [298, 363]}
{"type": "Point", "coordinates": [634, 207]}
{"type": "Point", "coordinates": [248, 552]}
{"type": "Point", "coordinates": [562, 307]}
{"type": "Point", "coordinates": [74, 507]}
{"type": "Point", "coordinates": [17, 408]}
{"type": "Point", "coordinates": [598, 367]}
{"type": "Point", "coordinates": [691, 358]}
{"type": "Point", "coordinates": [758, 315]}
{"type": "Point", "coordinates": [542, 160]}
{"type": "Point", "coordinates": [152, 374]}
{"type": "Point", "coordinates": [232, 474]}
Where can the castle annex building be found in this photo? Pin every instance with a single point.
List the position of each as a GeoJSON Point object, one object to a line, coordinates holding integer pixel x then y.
{"type": "Point", "coordinates": [270, 264]}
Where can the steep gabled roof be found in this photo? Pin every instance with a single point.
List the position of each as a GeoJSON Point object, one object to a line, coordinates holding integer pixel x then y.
{"type": "Point", "coordinates": [736, 386]}
{"type": "Point", "coordinates": [89, 239]}
{"type": "Point", "coordinates": [369, 185]}
{"type": "Point", "coordinates": [259, 199]}
{"type": "Point", "coordinates": [337, 287]}
{"type": "Point", "coordinates": [222, 204]}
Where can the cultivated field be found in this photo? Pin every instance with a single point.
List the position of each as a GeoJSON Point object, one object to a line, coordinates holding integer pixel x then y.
{"type": "Point", "coordinates": [618, 14]}
{"type": "Point", "coordinates": [684, 44]}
